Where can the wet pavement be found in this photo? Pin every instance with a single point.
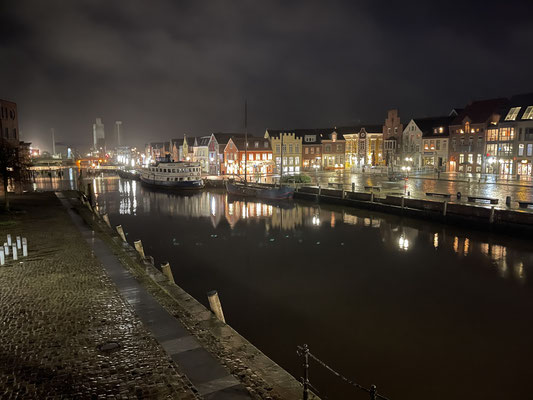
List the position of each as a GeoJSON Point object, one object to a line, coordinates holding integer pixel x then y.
{"type": "Point", "coordinates": [211, 380]}
{"type": "Point", "coordinates": [65, 330]}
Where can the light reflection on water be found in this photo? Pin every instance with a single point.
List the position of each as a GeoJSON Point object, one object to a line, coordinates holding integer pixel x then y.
{"type": "Point", "coordinates": [382, 298]}
{"type": "Point", "coordinates": [217, 207]}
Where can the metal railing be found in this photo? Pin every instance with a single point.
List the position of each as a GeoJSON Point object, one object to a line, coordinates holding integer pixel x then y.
{"type": "Point", "coordinates": [303, 351]}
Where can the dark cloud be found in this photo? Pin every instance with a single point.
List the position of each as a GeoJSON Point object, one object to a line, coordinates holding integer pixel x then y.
{"type": "Point", "coordinates": [171, 67]}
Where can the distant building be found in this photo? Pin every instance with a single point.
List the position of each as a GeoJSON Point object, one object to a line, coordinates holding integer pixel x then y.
{"type": "Point", "coordinates": [363, 145]}
{"type": "Point", "coordinates": [254, 155]}
{"type": "Point", "coordinates": [99, 135]}
{"type": "Point", "coordinates": [9, 123]}
{"type": "Point", "coordinates": [427, 143]}
{"type": "Point", "coordinates": [333, 151]}
{"type": "Point", "coordinates": [392, 138]}
{"type": "Point", "coordinates": [201, 152]}
{"type": "Point", "coordinates": [292, 150]}
{"type": "Point", "coordinates": [509, 145]}
{"type": "Point", "coordinates": [468, 133]}
{"type": "Point", "coordinates": [216, 146]}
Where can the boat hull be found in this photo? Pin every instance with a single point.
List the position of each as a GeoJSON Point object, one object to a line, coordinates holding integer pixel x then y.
{"type": "Point", "coordinates": [270, 193]}
{"type": "Point", "coordinates": [171, 185]}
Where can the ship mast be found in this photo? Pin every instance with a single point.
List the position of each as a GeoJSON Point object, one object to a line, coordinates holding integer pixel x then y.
{"type": "Point", "coordinates": [245, 139]}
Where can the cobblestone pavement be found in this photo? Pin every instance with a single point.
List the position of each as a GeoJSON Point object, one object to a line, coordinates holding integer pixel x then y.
{"type": "Point", "coordinates": [65, 332]}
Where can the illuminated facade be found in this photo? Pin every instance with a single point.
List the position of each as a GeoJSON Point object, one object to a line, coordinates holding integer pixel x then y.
{"type": "Point", "coordinates": [333, 151]}
{"type": "Point", "coordinates": [426, 143]}
{"type": "Point", "coordinates": [468, 132]}
{"type": "Point", "coordinates": [201, 152]}
{"type": "Point", "coordinates": [216, 146]}
{"type": "Point", "coordinates": [292, 150]}
{"type": "Point", "coordinates": [509, 145]}
{"type": "Point", "coordinates": [363, 145]}
{"type": "Point", "coordinates": [255, 155]}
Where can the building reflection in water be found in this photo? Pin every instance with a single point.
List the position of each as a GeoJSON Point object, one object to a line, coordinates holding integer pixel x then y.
{"type": "Point", "coordinates": [394, 233]}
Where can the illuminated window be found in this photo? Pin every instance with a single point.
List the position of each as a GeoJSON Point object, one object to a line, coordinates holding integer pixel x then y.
{"type": "Point", "coordinates": [441, 129]}
{"type": "Point", "coordinates": [478, 159]}
{"type": "Point", "coordinates": [306, 150]}
{"type": "Point", "coordinates": [461, 158]}
{"type": "Point", "coordinates": [521, 149]}
{"type": "Point", "coordinates": [529, 149]}
{"type": "Point", "coordinates": [528, 114]}
{"type": "Point", "coordinates": [492, 135]}
{"type": "Point", "coordinates": [467, 127]}
{"type": "Point", "coordinates": [251, 157]}
{"type": "Point", "coordinates": [513, 112]}
{"type": "Point", "coordinates": [470, 158]}
{"type": "Point", "coordinates": [506, 134]}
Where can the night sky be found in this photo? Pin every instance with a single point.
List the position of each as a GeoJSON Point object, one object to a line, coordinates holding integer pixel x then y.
{"type": "Point", "coordinates": [168, 67]}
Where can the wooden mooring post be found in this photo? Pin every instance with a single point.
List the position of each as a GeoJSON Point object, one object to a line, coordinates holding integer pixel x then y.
{"type": "Point", "coordinates": [121, 233]}
{"type": "Point", "coordinates": [165, 268]}
{"type": "Point", "coordinates": [214, 304]}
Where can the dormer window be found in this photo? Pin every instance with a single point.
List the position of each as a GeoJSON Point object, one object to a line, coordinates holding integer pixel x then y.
{"type": "Point", "coordinates": [528, 114]}
{"type": "Point", "coordinates": [467, 127]}
{"type": "Point", "coordinates": [256, 145]}
{"type": "Point", "coordinates": [441, 129]}
{"type": "Point", "coordinates": [513, 112]}
{"type": "Point", "coordinates": [334, 136]}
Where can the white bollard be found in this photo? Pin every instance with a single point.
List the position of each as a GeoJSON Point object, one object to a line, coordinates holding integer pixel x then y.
{"type": "Point", "coordinates": [24, 247]}
{"type": "Point", "coordinates": [9, 240]}
{"type": "Point", "coordinates": [19, 244]}
{"type": "Point", "coordinates": [2, 257]}
{"type": "Point", "coordinates": [15, 253]}
{"type": "Point", "coordinates": [6, 249]}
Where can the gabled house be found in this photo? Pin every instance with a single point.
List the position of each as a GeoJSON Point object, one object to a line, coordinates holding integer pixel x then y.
{"type": "Point", "coordinates": [333, 151]}
{"type": "Point", "coordinates": [468, 133]}
{"type": "Point", "coordinates": [201, 152]}
{"type": "Point", "coordinates": [435, 141]}
{"type": "Point", "coordinates": [216, 145]}
{"type": "Point", "coordinates": [392, 138]}
{"type": "Point", "coordinates": [255, 155]}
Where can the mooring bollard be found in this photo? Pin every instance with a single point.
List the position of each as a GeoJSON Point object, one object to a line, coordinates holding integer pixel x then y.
{"type": "Point", "coordinates": [343, 194]}
{"type": "Point", "coordinates": [6, 249]}
{"type": "Point", "coordinates": [24, 247]}
{"type": "Point", "coordinates": [2, 257]}
{"type": "Point", "coordinates": [491, 219]}
{"type": "Point", "coordinates": [372, 197]}
{"type": "Point", "coordinates": [165, 268]}
{"type": "Point", "coordinates": [19, 245]}
{"type": "Point", "coordinates": [353, 187]}
{"type": "Point", "coordinates": [121, 233]}
{"type": "Point", "coordinates": [444, 208]}
{"type": "Point", "coordinates": [139, 247]}
{"type": "Point", "coordinates": [403, 202]}
{"type": "Point", "coordinates": [214, 304]}
{"type": "Point", "coordinates": [15, 253]}
{"type": "Point", "coordinates": [9, 240]}
{"type": "Point", "coordinates": [105, 217]}
{"type": "Point", "coordinates": [508, 201]}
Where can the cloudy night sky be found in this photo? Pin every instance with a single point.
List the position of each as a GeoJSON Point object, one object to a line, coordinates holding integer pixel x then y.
{"type": "Point", "coordinates": [166, 68]}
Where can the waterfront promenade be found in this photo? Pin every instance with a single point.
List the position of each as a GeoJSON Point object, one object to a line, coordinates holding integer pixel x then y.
{"type": "Point", "coordinates": [66, 332]}
{"type": "Point", "coordinates": [82, 317]}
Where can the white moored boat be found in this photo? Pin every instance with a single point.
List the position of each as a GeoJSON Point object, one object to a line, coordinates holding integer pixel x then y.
{"type": "Point", "coordinates": [179, 175]}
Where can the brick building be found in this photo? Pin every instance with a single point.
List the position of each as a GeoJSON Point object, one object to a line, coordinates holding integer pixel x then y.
{"type": "Point", "coordinates": [468, 132]}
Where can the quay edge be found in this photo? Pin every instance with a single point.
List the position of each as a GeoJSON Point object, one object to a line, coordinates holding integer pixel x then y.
{"type": "Point", "coordinates": [261, 375]}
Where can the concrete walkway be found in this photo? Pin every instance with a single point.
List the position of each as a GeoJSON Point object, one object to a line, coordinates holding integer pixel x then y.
{"type": "Point", "coordinates": [211, 380]}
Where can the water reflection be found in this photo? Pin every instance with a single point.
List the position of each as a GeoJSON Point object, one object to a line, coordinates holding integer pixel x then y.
{"type": "Point", "coordinates": [218, 207]}
{"type": "Point", "coordinates": [304, 267]}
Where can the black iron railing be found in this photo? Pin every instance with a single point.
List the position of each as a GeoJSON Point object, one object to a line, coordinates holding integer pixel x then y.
{"type": "Point", "coordinates": [303, 351]}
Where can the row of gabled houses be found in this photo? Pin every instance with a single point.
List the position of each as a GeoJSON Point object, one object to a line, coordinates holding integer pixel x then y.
{"type": "Point", "coordinates": [493, 136]}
